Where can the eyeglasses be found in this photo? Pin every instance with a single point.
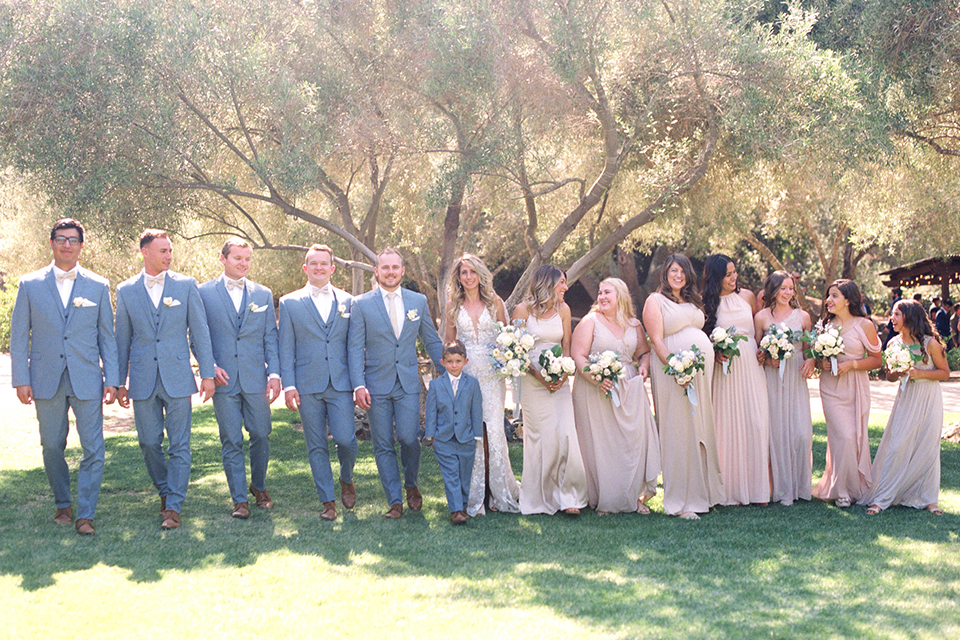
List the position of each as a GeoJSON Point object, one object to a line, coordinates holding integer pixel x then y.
{"type": "Point", "coordinates": [73, 240]}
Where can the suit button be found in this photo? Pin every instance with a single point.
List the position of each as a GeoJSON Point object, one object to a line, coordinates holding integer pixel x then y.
{"type": "Point", "coordinates": [154, 359]}
{"type": "Point", "coordinates": [61, 356]}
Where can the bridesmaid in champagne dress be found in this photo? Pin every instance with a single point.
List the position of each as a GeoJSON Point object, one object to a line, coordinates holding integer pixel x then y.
{"type": "Point", "coordinates": [621, 453]}
{"type": "Point", "coordinates": [740, 409]}
{"type": "Point", "coordinates": [846, 397]}
{"type": "Point", "coordinates": [791, 427]}
{"type": "Point", "coordinates": [906, 470]}
{"type": "Point", "coordinates": [553, 476]}
{"type": "Point", "coordinates": [688, 448]}
{"type": "Point", "coordinates": [473, 310]}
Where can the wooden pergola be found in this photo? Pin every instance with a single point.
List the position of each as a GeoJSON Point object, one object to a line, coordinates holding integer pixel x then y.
{"type": "Point", "coordinates": [928, 272]}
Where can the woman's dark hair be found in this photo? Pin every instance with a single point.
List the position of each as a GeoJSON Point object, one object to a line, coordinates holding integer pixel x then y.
{"type": "Point", "coordinates": [851, 292]}
{"type": "Point", "coordinates": [714, 271]}
{"type": "Point", "coordinates": [690, 292]}
{"type": "Point", "coordinates": [917, 323]}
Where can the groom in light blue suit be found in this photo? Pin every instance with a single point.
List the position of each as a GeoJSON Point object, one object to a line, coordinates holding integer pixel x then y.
{"type": "Point", "coordinates": [60, 332]}
{"type": "Point", "coordinates": [243, 331]}
{"type": "Point", "coordinates": [384, 325]}
{"type": "Point", "coordinates": [156, 309]}
{"type": "Point", "coordinates": [316, 382]}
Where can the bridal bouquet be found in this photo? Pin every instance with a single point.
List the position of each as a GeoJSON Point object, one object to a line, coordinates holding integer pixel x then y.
{"type": "Point", "coordinates": [684, 367]}
{"type": "Point", "coordinates": [606, 365]}
{"type": "Point", "coordinates": [777, 343]}
{"type": "Point", "coordinates": [553, 364]}
{"type": "Point", "coordinates": [898, 358]}
{"type": "Point", "coordinates": [725, 343]}
{"type": "Point", "coordinates": [510, 355]}
{"type": "Point", "coordinates": [825, 342]}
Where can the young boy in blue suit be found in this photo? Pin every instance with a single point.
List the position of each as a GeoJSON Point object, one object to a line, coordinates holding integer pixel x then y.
{"type": "Point", "coordinates": [454, 424]}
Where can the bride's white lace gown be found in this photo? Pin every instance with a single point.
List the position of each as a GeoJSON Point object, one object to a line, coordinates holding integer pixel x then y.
{"type": "Point", "coordinates": [504, 489]}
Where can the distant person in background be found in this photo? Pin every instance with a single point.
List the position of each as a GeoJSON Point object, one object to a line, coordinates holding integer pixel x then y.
{"type": "Point", "coordinates": [954, 328]}
{"type": "Point", "coordinates": [918, 297]}
{"type": "Point", "coordinates": [934, 308]}
{"type": "Point", "coordinates": [942, 321]}
{"type": "Point", "coordinates": [896, 295]}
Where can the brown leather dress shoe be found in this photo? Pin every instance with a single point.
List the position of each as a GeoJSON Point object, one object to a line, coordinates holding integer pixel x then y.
{"type": "Point", "coordinates": [458, 517]}
{"type": "Point", "coordinates": [329, 510]}
{"type": "Point", "coordinates": [263, 498]}
{"type": "Point", "coordinates": [414, 499]}
{"type": "Point", "coordinates": [63, 516]}
{"type": "Point", "coordinates": [171, 520]}
{"type": "Point", "coordinates": [241, 510]}
{"type": "Point", "coordinates": [85, 527]}
{"type": "Point", "coordinates": [348, 495]}
{"type": "Point", "coordinates": [396, 510]}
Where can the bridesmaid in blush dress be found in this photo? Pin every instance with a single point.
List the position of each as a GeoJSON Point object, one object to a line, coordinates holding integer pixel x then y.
{"type": "Point", "coordinates": [621, 453]}
{"type": "Point", "coordinates": [473, 310]}
{"type": "Point", "coordinates": [791, 427]}
{"type": "Point", "coordinates": [673, 318]}
{"type": "Point", "coordinates": [740, 409]}
{"type": "Point", "coordinates": [846, 397]}
{"type": "Point", "coordinates": [906, 470]}
{"type": "Point", "coordinates": [553, 476]}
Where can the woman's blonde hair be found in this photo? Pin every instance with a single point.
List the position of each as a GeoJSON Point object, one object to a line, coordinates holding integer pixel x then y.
{"type": "Point", "coordinates": [542, 294]}
{"type": "Point", "coordinates": [456, 293]}
{"type": "Point", "coordinates": [625, 309]}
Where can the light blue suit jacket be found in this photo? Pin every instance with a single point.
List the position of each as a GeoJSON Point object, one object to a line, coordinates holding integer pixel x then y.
{"type": "Point", "coordinates": [245, 343]}
{"type": "Point", "coordinates": [151, 339]}
{"type": "Point", "coordinates": [46, 338]}
{"type": "Point", "coordinates": [452, 417]}
{"type": "Point", "coordinates": [313, 354]}
{"type": "Point", "coordinates": [377, 357]}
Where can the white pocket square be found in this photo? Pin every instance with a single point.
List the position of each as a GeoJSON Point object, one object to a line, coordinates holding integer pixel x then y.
{"type": "Point", "coordinates": [170, 302]}
{"type": "Point", "coordinates": [83, 302]}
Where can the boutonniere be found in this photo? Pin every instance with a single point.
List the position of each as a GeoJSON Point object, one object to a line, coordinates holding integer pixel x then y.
{"type": "Point", "coordinates": [342, 310]}
{"type": "Point", "coordinates": [412, 315]}
{"type": "Point", "coordinates": [83, 302]}
{"type": "Point", "coordinates": [170, 302]}
{"type": "Point", "coordinates": [253, 308]}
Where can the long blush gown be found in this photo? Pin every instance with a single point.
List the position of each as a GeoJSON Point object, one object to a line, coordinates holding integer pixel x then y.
{"type": "Point", "coordinates": [504, 490]}
{"type": "Point", "coordinates": [846, 409]}
{"type": "Point", "coordinates": [740, 411]}
{"type": "Point", "coordinates": [906, 470]}
{"type": "Point", "coordinates": [621, 454]}
{"type": "Point", "coordinates": [553, 477]}
{"type": "Point", "coordinates": [791, 427]}
{"type": "Point", "coordinates": [688, 444]}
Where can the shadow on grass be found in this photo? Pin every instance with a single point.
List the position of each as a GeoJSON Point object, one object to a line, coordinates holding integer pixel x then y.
{"type": "Point", "coordinates": [807, 569]}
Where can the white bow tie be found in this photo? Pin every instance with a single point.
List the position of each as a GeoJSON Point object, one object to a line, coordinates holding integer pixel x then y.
{"type": "Point", "coordinates": [316, 291]}
{"type": "Point", "coordinates": [233, 284]}
{"type": "Point", "coordinates": [67, 275]}
{"type": "Point", "coordinates": [152, 281]}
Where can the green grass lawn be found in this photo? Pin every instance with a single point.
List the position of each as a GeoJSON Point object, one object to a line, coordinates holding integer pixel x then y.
{"type": "Point", "coordinates": [805, 571]}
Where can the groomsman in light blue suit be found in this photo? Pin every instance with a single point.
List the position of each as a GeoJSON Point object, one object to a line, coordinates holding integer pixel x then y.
{"type": "Point", "coordinates": [243, 331]}
{"type": "Point", "coordinates": [316, 381]}
{"type": "Point", "coordinates": [156, 310]}
{"type": "Point", "coordinates": [384, 325]}
{"type": "Point", "coordinates": [60, 333]}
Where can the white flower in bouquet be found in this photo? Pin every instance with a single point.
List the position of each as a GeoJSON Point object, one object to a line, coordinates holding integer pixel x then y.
{"type": "Point", "coordinates": [899, 358]}
{"type": "Point", "coordinates": [511, 359]}
{"type": "Point", "coordinates": [825, 342]}
{"type": "Point", "coordinates": [554, 364]}
{"type": "Point", "coordinates": [725, 343]}
{"type": "Point", "coordinates": [777, 342]}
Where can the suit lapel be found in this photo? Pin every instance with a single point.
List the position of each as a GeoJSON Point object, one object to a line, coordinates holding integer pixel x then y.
{"type": "Point", "coordinates": [381, 306]}
{"type": "Point", "coordinates": [245, 301]}
{"type": "Point", "coordinates": [51, 285]}
{"type": "Point", "coordinates": [168, 292]}
{"type": "Point", "coordinates": [312, 308]}
{"type": "Point", "coordinates": [140, 292]}
{"type": "Point", "coordinates": [79, 288]}
{"type": "Point", "coordinates": [403, 312]}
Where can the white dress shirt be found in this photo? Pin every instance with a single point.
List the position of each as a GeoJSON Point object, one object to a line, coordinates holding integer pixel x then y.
{"type": "Point", "coordinates": [235, 293]}
{"type": "Point", "coordinates": [323, 299]}
{"type": "Point", "coordinates": [65, 285]}
{"type": "Point", "coordinates": [155, 292]}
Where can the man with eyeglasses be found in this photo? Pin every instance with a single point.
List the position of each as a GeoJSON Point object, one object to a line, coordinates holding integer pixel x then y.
{"type": "Point", "coordinates": [156, 310]}
{"type": "Point", "coordinates": [63, 355]}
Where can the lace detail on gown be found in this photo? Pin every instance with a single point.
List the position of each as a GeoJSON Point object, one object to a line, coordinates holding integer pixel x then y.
{"type": "Point", "coordinates": [504, 490]}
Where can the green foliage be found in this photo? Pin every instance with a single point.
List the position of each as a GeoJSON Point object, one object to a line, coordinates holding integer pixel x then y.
{"type": "Point", "coordinates": [953, 359]}
{"type": "Point", "coordinates": [8, 296]}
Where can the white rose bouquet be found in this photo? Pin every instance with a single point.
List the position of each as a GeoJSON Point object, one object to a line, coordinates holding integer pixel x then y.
{"type": "Point", "coordinates": [684, 367]}
{"type": "Point", "coordinates": [777, 343]}
{"type": "Point", "coordinates": [510, 355]}
{"type": "Point", "coordinates": [825, 342]}
{"type": "Point", "coordinates": [606, 365]}
{"type": "Point", "coordinates": [899, 358]}
{"type": "Point", "coordinates": [554, 365]}
{"type": "Point", "coordinates": [725, 343]}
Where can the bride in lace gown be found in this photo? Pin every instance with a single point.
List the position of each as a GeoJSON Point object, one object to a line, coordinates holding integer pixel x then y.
{"type": "Point", "coordinates": [472, 313]}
